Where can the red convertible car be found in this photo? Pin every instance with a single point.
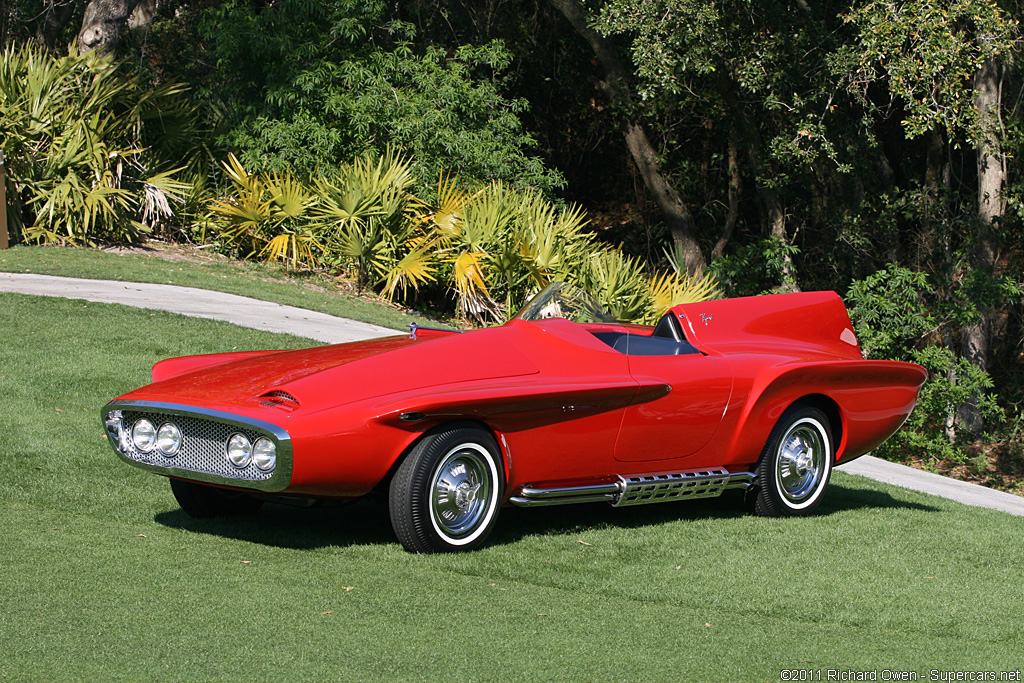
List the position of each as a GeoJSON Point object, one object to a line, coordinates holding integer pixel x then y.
{"type": "Point", "coordinates": [562, 404]}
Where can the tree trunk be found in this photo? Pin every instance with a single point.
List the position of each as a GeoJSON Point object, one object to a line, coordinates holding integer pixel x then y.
{"type": "Point", "coordinates": [615, 87]}
{"type": "Point", "coordinates": [142, 15]}
{"type": "Point", "coordinates": [975, 338]}
{"type": "Point", "coordinates": [774, 209]}
{"type": "Point", "coordinates": [103, 24]}
{"type": "Point", "coordinates": [733, 215]}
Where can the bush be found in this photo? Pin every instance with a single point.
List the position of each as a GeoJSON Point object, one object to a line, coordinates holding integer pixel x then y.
{"type": "Point", "coordinates": [306, 84]}
{"type": "Point", "coordinates": [896, 319]}
{"type": "Point", "coordinates": [485, 250]}
{"type": "Point", "coordinates": [83, 144]}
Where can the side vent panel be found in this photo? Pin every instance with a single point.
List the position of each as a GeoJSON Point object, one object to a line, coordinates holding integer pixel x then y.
{"type": "Point", "coordinates": [657, 488]}
{"type": "Point", "coordinates": [641, 489]}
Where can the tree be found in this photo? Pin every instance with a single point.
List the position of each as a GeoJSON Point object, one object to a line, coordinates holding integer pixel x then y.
{"type": "Point", "coordinates": [761, 70]}
{"type": "Point", "coordinates": [103, 23]}
{"type": "Point", "coordinates": [616, 88]}
{"type": "Point", "coordinates": [304, 85]}
{"type": "Point", "coordinates": [943, 64]}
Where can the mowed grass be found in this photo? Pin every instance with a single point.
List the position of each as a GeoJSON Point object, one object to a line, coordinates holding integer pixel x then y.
{"type": "Point", "coordinates": [103, 578]}
{"type": "Point", "coordinates": [257, 280]}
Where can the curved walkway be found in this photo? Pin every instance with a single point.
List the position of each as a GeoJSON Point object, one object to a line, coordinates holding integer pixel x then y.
{"type": "Point", "coordinates": [199, 303]}
{"type": "Point", "coordinates": [272, 317]}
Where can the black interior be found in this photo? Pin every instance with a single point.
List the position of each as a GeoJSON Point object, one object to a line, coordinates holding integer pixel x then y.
{"type": "Point", "coordinates": [666, 340]}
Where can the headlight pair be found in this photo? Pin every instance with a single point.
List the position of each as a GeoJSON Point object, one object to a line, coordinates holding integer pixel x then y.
{"type": "Point", "coordinates": [241, 452]}
{"type": "Point", "coordinates": [166, 439]}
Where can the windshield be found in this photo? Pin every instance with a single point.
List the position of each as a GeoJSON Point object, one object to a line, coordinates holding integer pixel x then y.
{"type": "Point", "coordinates": [562, 300]}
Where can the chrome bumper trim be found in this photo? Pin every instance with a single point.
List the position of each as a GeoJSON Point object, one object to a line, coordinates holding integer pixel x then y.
{"type": "Point", "coordinates": [657, 487]}
{"type": "Point", "coordinates": [276, 482]}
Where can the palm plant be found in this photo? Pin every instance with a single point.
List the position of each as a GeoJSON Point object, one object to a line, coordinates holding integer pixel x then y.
{"type": "Point", "coordinates": [482, 264]}
{"type": "Point", "coordinates": [267, 215]}
{"type": "Point", "coordinates": [671, 289]}
{"type": "Point", "coordinates": [366, 215]}
{"type": "Point", "coordinates": [551, 242]}
{"type": "Point", "coordinates": [81, 142]}
{"type": "Point", "coordinates": [618, 282]}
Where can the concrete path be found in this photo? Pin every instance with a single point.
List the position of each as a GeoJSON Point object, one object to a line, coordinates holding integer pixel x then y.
{"type": "Point", "coordinates": [200, 303]}
{"type": "Point", "coordinates": [261, 315]}
{"type": "Point", "coordinates": [937, 485]}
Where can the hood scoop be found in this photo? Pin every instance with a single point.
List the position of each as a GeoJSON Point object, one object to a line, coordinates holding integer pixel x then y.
{"type": "Point", "coordinates": [279, 399]}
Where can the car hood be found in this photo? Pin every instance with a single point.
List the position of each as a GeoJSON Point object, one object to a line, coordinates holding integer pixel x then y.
{"type": "Point", "coordinates": [320, 377]}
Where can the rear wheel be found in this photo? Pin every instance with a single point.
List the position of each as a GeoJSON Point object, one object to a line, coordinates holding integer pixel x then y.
{"type": "Point", "coordinates": [795, 465]}
{"type": "Point", "coordinates": [446, 493]}
{"type": "Point", "coordinates": [202, 501]}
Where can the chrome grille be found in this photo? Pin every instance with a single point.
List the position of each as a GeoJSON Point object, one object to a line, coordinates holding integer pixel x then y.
{"type": "Point", "coordinates": [202, 447]}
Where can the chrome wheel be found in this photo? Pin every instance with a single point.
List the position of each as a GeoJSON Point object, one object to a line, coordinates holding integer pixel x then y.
{"type": "Point", "coordinates": [795, 465]}
{"type": "Point", "coordinates": [460, 491]}
{"type": "Point", "coordinates": [801, 460]}
{"type": "Point", "coordinates": [446, 493]}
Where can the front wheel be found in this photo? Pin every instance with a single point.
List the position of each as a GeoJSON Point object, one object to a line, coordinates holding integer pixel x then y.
{"type": "Point", "coordinates": [795, 465]}
{"type": "Point", "coordinates": [203, 502]}
{"type": "Point", "coordinates": [446, 493]}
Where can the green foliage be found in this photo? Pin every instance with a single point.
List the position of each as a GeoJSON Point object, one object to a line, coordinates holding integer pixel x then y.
{"type": "Point", "coordinates": [362, 213]}
{"type": "Point", "coordinates": [755, 268]}
{"type": "Point", "coordinates": [952, 381]}
{"type": "Point", "coordinates": [307, 84]}
{"type": "Point", "coordinates": [499, 246]}
{"type": "Point", "coordinates": [492, 248]}
{"type": "Point", "coordinates": [85, 147]}
{"type": "Point", "coordinates": [266, 215]}
{"type": "Point", "coordinates": [896, 318]}
{"type": "Point", "coordinates": [756, 65]}
{"type": "Point", "coordinates": [928, 51]}
{"type": "Point", "coordinates": [889, 313]}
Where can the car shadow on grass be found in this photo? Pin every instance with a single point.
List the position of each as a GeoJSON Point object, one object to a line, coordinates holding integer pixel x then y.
{"type": "Point", "coordinates": [365, 522]}
{"type": "Point", "coordinates": [842, 498]}
{"type": "Point", "coordinates": [518, 523]}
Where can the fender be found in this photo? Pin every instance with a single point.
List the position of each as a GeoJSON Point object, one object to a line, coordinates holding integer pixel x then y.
{"type": "Point", "coordinates": [867, 415]}
{"type": "Point", "coordinates": [174, 367]}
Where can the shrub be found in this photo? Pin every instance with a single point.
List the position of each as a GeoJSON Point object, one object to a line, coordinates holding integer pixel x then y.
{"type": "Point", "coordinates": [490, 248]}
{"type": "Point", "coordinates": [266, 215]}
{"type": "Point", "coordinates": [83, 143]}
{"type": "Point", "coordinates": [896, 319]}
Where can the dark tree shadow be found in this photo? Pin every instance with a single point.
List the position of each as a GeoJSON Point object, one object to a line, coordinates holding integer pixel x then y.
{"type": "Point", "coordinates": [365, 522]}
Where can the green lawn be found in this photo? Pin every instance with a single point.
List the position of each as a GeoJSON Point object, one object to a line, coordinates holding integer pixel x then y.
{"type": "Point", "coordinates": [103, 578]}
{"type": "Point", "coordinates": [257, 280]}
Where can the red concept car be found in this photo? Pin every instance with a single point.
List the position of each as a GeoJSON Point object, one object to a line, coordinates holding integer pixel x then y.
{"type": "Point", "coordinates": [562, 404]}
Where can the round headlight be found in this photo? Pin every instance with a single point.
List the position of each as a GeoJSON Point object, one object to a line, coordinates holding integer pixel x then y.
{"type": "Point", "coordinates": [239, 450]}
{"type": "Point", "coordinates": [264, 454]}
{"type": "Point", "coordinates": [168, 439]}
{"type": "Point", "coordinates": [144, 435]}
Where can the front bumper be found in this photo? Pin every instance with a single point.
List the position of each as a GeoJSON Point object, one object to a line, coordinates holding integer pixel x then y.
{"type": "Point", "coordinates": [202, 456]}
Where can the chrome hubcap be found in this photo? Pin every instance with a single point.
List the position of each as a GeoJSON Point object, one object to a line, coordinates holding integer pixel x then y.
{"type": "Point", "coordinates": [801, 462]}
{"type": "Point", "coordinates": [460, 491]}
